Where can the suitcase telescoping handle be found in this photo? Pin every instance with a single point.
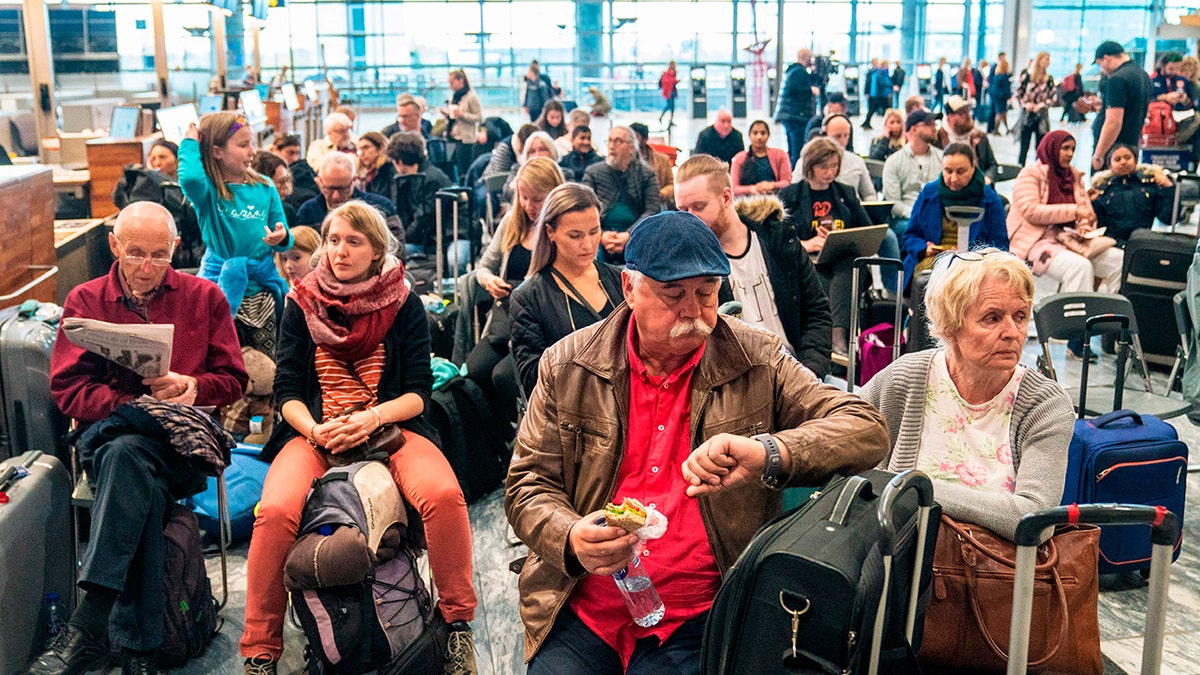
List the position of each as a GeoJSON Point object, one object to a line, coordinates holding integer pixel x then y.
{"type": "Point", "coordinates": [1179, 179]}
{"type": "Point", "coordinates": [903, 482]}
{"type": "Point", "coordinates": [1164, 533]}
{"type": "Point", "coordinates": [455, 195]}
{"type": "Point", "coordinates": [861, 265]}
{"type": "Point", "coordinates": [1122, 356]}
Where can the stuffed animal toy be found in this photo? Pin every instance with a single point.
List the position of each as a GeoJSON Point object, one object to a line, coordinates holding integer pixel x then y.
{"type": "Point", "coordinates": [252, 417]}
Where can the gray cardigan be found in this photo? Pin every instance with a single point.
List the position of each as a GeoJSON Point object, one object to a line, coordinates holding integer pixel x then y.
{"type": "Point", "coordinates": [1042, 424]}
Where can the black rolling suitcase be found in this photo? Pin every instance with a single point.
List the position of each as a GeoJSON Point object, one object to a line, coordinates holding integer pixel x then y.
{"type": "Point", "coordinates": [35, 552]}
{"type": "Point", "coordinates": [1154, 270]}
{"type": "Point", "coordinates": [30, 420]}
{"type": "Point", "coordinates": [918, 324]}
{"type": "Point", "coordinates": [837, 585]}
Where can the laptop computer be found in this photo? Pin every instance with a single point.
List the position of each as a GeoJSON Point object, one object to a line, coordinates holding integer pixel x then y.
{"type": "Point", "coordinates": [851, 242]}
{"type": "Point", "coordinates": [879, 211]}
{"type": "Point", "coordinates": [211, 103]}
{"type": "Point", "coordinates": [124, 122]}
{"type": "Point", "coordinates": [174, 121]}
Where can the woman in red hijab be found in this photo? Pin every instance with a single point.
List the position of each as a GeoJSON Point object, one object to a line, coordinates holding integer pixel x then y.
{"type": "Point", "coordinates": [1050, 213]}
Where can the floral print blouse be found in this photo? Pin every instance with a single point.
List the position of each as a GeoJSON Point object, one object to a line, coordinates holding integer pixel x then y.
{"type": "Point", "coordinates": [964, 443]}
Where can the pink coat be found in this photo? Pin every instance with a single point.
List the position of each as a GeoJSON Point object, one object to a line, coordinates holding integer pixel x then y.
{"type": "Point", "coordinates": [1030, 236]}
{"type": "Point", "coordinates": [780, 164]}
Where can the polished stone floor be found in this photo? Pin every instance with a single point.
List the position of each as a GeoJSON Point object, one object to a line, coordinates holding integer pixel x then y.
{"type": "Point", "coordinates": [497, 627]}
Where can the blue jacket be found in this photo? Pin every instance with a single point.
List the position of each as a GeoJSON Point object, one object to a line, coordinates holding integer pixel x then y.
{"type": "Point", "coordinates": [881, 83]}
{"type": "Point", "coordinates": [925, 225]}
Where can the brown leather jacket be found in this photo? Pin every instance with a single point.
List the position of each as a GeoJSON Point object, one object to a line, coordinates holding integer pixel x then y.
{"type": "Point", "coordinates": [572, 440]}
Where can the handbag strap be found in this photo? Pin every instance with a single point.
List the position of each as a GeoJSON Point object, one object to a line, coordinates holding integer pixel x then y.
{"type": "Point", "coordinates": [966, 535]}
{"type": "Point", "coordinates": [969, 546]}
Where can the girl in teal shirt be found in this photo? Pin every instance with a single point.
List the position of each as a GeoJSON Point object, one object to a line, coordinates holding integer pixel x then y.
{"type": "Point", "coordinates": [241, 220]}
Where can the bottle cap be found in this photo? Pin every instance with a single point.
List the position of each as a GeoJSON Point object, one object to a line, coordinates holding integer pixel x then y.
{"type": "Point", "coordinates": [3, 497]}
{"type": "Point", "coordinates": [52, 597]}
{"type": "Point", "coordinates": [325, 530]}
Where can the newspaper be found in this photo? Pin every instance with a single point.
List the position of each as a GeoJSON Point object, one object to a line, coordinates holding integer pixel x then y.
{"type": "Point", "coordinates": [144, 348]}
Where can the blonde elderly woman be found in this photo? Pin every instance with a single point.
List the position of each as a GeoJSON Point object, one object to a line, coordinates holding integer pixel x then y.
{"type": "Point", "coordinates": [991, 432]}
{"type": "Point", "coordinates": [338, 137]}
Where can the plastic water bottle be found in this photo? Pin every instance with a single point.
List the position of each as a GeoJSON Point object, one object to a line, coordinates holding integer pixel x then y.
{"type": "Point", "coordinates": [640, 597]}
{"type": "Point", "coordinates": [56, 620]}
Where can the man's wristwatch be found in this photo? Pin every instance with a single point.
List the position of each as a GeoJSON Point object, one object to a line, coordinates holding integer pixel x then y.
{"type": "Point", "coordinates": [773, 469]}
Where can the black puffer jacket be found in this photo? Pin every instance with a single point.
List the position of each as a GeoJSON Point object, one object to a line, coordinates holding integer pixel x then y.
{"type": "Point", "coordinates": [1132, 202]}
{"type": "Point", "coordinates": [802, 304]}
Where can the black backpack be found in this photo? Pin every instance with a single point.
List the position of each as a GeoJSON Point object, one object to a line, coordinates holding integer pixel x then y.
{"type": "Point", "coordinates": [474, 439]}
{"type": "Point", "coordinates": [142, 184]}
{"type": "Point", "coordinates": [380, 619]}
{"type": "Point", "coordinates": [190, 617]}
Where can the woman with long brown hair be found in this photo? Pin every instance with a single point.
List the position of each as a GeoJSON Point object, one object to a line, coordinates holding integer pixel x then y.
{"type": "Point", "coordinates": [1035, 94]}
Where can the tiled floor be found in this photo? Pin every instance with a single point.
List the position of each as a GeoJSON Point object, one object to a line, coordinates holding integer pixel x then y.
{"type": "Point", "coordinates": [497, 628]}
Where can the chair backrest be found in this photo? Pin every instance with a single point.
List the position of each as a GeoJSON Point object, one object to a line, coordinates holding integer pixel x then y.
{"type": "Point", "coordinates": [1006, 172]}
{"type": "Point", "coordinates": [1062, 315]}
{"type": "Point", "coordinates": [874, 167]}
{"type": "Point", "coordinates": [495, 183]}
{"type": "Point", "coordinates": [1183, 316]}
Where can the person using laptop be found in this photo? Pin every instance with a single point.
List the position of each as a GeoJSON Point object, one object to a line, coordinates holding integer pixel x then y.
{"type": "Point", "coordinates": [818, 205]}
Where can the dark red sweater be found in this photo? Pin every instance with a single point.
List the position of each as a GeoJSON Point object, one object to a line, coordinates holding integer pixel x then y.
{"type": "Point", "coordinates": [88, 387]}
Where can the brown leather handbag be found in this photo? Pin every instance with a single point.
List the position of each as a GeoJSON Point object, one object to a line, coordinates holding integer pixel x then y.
{"type": "Point", "coordinates": [970, 608]}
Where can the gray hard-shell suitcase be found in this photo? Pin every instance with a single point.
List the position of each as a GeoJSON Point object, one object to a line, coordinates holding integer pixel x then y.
{"type": "Point", "coordinates": [30, 419]}
{"type": "Point", "coordinates": [35, 552]}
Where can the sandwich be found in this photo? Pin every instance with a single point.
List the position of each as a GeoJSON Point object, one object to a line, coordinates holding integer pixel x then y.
{"type": "Point", "coordinates": [629, 515]}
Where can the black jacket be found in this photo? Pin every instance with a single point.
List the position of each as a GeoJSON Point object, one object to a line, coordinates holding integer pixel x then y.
{"type": "Point", "coordinates": [539, 317]}
{"type": "Point", "coordinates": [797, 101]}
{"type": "Point", "coordinates": [381, 184]}
{"type": "Point", "coordinates": [802, 304]}
{"type": "Point", "coordinates": [1130, 203]}
{"type": "Point", "coordinates": [415, 199]}
{"type": "Point", "coordinates": [577, 163]}
{"type": "Point", "coordinates": [406, 369]}
{"type": "Point", "coordinates": [709, 142]}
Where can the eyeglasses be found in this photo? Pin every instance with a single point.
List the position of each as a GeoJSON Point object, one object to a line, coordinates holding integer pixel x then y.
{"type": "Point", "coordinates": [157, 259]}
{"type": "Point", "coordinates": [617, 141]}
{"type": "Point", "coordinates": [238, 122]}
{"type": "Point", "coordinates": [329, 189]}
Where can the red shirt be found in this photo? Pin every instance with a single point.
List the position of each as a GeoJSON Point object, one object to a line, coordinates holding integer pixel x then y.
{"type": "Point", "coordinates": [681, 564]}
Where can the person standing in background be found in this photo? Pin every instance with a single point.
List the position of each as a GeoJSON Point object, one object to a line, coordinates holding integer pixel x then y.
{"type": "Point", "coordinates": [668, 83]}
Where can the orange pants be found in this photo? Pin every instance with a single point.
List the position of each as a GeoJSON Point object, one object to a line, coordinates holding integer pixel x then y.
{"type": "Point", "coordinates": [426, 481]}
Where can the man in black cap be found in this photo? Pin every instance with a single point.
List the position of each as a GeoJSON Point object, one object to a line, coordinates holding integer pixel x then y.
{"type": "Point", "coordinates": [911, 167]}
{"type": "Point", "coordinates": [1124, 99]}
{"type": "Point", "coordinates": [617, 410]}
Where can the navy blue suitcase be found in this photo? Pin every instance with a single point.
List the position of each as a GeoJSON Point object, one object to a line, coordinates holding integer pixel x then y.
{"type": "Point", "coordinates": [1127, 458]}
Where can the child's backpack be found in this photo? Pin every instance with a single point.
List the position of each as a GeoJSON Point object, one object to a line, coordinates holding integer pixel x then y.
{"type": "Point", "coordinates": [354, 580]}
{"type": "Point", "coordinates": [1159, 129]}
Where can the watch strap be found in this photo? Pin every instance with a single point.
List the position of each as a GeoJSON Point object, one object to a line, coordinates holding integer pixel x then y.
{"type": "Point", "coordinates": [773, 469]}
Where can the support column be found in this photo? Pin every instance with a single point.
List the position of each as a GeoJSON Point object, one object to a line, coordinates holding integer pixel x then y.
{"type": "Point", "coordinates": [221, 67]}
{"type": "Point", "coordinates": [981, 35]}
{"type": "Point", "coordinates": [41, 70]}
{"type": "Point", "coordinates": [160, 53]}
{"type": "Point", "coordinates": [589, 33]}
{"type": "Point", "coordinates": [733, 48]}
{"type": "Point", "coordinates": [1015, 40]}
{"type": "Point", "coordinates": [852, 57]}
{"type": "Point", "coordinates": [911, 36]}
{"type": "Point", "coordinates": [966, 33]}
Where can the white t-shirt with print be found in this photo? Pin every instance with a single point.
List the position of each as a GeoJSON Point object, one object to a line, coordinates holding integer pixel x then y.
{"type": "Point", "coordinates": [751, 286]}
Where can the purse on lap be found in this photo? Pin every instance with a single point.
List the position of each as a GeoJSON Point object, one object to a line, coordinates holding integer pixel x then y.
{"type": "Point", "coordinates": [970, 608]}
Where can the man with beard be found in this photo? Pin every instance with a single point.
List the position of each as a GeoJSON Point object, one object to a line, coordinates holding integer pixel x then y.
{"type": "Point", "coordinates": [912, 166]}
{"type": "Point", "coordinates": [959, 127]}
{"type": "Point", "coordinates": [777, 285]}
{"type": "Point", "coordinates": [617, 410]}
{"type": "Point", "coordinates": [628, 192]}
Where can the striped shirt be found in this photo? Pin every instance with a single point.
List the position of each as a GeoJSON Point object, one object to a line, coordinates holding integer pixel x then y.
{"type": "Point", "coordinates": [347, 387]}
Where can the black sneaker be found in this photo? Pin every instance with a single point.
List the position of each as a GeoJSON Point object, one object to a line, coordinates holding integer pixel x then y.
{"type": "Point", "coordinates": [138, 663]}
{"type": "Point", "coordinates": [73, 652]}
{"type": "Point", "coordinates": [460, 650]}
{"type": "Point", "coordinates": [259, 665]}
